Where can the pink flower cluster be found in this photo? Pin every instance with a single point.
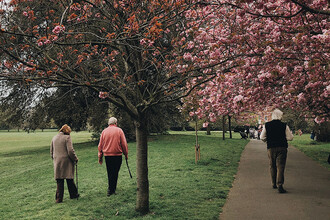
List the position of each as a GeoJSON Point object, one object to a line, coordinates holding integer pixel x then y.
{"type": "Point", "coordinates": [238, 98]}
{"type": "Point", "coordinates": [103, 95]}
{"type": "Point", "coordinates": [59, 29]}
{"type": "Point", "coordinates": [44, 41]}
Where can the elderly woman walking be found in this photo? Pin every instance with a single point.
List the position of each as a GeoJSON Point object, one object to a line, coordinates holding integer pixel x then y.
{"type": "Point", "coordinates": [64, 158]}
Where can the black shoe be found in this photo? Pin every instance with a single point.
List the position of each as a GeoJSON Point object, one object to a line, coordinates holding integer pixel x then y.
{"type": "Point", "coordinates": [274, 186]}
{"type": "Point", "coordinates": [75, 197]}
{"type": "Point", "coordinates": [281, 190]}
{"type": "Point", "coordinates": [110, 193]}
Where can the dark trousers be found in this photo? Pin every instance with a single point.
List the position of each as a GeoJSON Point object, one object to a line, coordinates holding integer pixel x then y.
{"type": "Point", "coordinates": [113, 166]}
{"type": "Point", "coordinates": [277, 160]}
{"type": "Point", "coordinates": [60, 189]}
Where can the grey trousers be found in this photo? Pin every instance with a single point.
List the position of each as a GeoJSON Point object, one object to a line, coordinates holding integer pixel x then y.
{"type": "Point", "coordinates": [277, 160]}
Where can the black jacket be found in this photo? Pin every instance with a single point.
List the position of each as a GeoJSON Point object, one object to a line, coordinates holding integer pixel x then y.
{"type": "Point", "coordinates": [275, 132]}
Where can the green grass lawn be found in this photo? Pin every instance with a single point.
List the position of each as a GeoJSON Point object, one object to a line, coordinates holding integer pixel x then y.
{"type": "Point", "coordinates": [179, 189]}
{"type": "Point", "coordinates": [14, 141]}
{"type": "Point", "coordinates": [318, 151]}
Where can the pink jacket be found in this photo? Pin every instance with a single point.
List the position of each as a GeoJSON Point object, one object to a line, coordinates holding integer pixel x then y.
{"type": "Point", "coordinates": [112, 142]}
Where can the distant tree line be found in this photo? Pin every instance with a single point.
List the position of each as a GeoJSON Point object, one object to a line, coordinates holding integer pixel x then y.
{"type": "Point", "coordinates": [28, 108]}
{"type": "Point", "coordinates": [24, 107]}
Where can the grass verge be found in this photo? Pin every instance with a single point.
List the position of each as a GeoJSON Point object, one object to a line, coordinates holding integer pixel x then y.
{"type": "Point", "coordinates": [318, 151]}
{"type": "Point", "coordinates": [179, 189]}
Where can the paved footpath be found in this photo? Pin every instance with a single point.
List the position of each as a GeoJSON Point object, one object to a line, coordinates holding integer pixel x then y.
{"type": "Point", "coordinates": [252, 195]}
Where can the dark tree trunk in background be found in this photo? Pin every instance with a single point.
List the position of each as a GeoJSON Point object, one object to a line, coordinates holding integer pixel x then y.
{"type": "Point", "coordinates": [223, 127]}
{"type": "Point", "coordinates": [208, 130]}
{"type": "Point", "coordinates": [229, 126]}
{"type": "Point", "coordinates": [323, 133]}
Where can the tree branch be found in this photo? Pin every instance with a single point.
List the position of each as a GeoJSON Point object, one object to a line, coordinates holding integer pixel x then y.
{"type": "Point", "coordinates": [311, 10]}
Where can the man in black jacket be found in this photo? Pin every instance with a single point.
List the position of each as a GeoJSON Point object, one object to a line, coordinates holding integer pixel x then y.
{"type": "Point", "coordinates": [276, 134]}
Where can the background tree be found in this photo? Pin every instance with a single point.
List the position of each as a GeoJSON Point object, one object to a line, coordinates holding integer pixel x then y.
{"type": "Point", "coordinates": [69, 106]}
{"type": "Point", "coordinates": [16, 102]}
{"type": "Point", "coordinates": [280, 55]}
{"type": "Point", "coordinates": [40, 118]}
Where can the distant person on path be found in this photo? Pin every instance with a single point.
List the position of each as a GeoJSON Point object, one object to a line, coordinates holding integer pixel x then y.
{"type": "Point", "coordinates": [243, 135]}
{"type": "Point", "coordinates": [276, 134]}
{"type": "Point", "coordinates": [64, 158]}
{"type": "Point", "coordinates": [313, 135]}
{"type": "Point", "coordinates": [112, 145]}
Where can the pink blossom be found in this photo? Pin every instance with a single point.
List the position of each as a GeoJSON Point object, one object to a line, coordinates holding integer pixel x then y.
{"type": "Point", "coordinates": [8, 65]}
{"type": "Point", "coordinates": [187, 56]}
{"type": "Point", "coordinates": [142, 42]}
{"type": "Point", "coordinates": [58, 29]}
{"type": "Point", "coordinates": [151, 43]}
{"type": "Point", "coordinates": [298, 69]}
{"type": "Point", "coordinates": [319, 120]}
{"type": "Point", "coordinates": [103, 95]}
{"type": "Point", "coordinates": [238, 98]}
{"type": "Point", "coordinates": [301, 98]}
{"type": "Point", "coordinates": [190, 45]}
{"type": "Point", "coordinates": [213, 118]}
{"type": "Point", "coordinates": [328, 88]}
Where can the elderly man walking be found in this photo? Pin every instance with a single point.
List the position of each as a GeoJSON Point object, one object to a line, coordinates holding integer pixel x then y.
{"type": "Point", "coordinates": [276, 134]}
{"type": "Point", "coordinates": [112, 145]}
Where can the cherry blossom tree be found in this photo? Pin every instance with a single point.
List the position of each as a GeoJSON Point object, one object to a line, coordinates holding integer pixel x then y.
{"type": "Point", "coordinates": [278, 52]}
{"type": "Point", "coordinates": [130, 52]}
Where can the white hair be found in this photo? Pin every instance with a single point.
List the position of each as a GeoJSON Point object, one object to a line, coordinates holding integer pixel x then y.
{"type": "Point", "coordinates": [277, 114]}
{"type": "Point", "coordinates": [112, 121]}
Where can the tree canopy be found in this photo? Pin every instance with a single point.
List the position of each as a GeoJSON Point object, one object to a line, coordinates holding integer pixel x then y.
{"type": "Point", "coordinates": [281, 57]}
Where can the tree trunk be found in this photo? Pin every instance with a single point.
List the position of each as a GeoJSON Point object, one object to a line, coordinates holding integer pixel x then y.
{"type": "Point", "coordinates": [196, 133]}
{"type": "Point", "coordinates": [323, 132]}
{"type": "Point", "coordinates": [197, 147]}
{"type": "Point", "coordinates": [229, 127]}
{"type": "Point", "coordinates": [142, 197]}
{"type": "Point", "coordinates": [208, 130]}
{"type": "Point", "coordinates": [223, 127]}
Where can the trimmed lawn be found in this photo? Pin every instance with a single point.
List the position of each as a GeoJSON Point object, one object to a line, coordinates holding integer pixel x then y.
{"type": "Point", "coordinates": [179, 189]}
{"type": "Point", "coordinates": [318, 151]}
{"type": "Point", "coordinates": [14, 141]}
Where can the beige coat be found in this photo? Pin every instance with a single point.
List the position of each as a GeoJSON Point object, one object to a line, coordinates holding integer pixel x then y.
{"type": "Point", "coordinates": [63, 155]}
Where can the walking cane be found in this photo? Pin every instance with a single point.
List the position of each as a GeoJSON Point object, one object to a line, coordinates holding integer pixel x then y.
{"type": "Point", "coordinates": [77, 178]}
{"type": "Point", "coordinates": [128, 169]}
